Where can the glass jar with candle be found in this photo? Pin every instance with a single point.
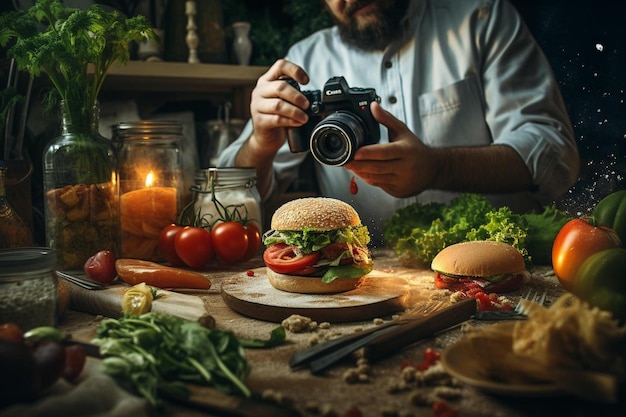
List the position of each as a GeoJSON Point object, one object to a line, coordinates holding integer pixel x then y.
{"type": "Point", "coordinates": [151, 184]}
{"type": "Point", "coordinates": [227, 193]}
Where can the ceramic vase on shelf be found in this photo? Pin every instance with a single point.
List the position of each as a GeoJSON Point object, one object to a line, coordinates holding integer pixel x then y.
{"type": "Point", "coordinates": [242, 46]}
{"type": "Point", "coordinates": [81, 188]}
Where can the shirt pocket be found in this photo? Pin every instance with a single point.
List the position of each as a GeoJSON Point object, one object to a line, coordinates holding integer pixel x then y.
{"type": "Point", "coordinates": [454, 115]}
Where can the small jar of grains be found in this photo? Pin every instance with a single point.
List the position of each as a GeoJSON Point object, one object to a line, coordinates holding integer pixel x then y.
{"type": "Point", "coordinates": [28, 287]}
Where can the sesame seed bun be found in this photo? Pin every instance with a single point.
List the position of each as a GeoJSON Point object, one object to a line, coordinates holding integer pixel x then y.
{"type": "Point", "coordinates": [310, 285]}
{"type": "Point", "coordinates": [319, 213]}
{"type": "Point", "coordinates": [478, 259]}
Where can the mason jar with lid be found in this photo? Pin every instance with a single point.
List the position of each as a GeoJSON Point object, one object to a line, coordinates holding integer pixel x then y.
{"type": "Point", "coordinates": [28, 287]}
{"type": "Point", "coordinates": [229, 193]}
{"type": "Point", "coordinates": [151, 183]}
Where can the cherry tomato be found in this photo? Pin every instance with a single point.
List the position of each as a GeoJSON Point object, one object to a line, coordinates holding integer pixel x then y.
{"type": "Point", "coordinates": [282, 258]}
{"type": "Point", "coordinates": [101, 267]}
{"type": "Point", "coordinates": [254, 241]}
{"type": "Point", "coordinates": [11, 332]}
{"type": "Point", "coordinates": [577, 240]}
{"type": "Point", "coordinates": [194, 246]}
{"type": "Point", "coordinates": [231, 241]}
{"type": "Point", "coordinates": [167, 245]}
{"type": "Point", "coordinates": [75, 359]}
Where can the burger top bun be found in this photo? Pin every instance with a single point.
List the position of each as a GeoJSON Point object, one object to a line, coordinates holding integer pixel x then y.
{"type": "Point", "coordinates": [320, 213]}
{"type": "Point", "coordinates": [479, 258]}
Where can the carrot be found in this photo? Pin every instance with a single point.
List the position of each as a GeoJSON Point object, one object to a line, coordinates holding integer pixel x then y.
{"type": "Point", "coordinates": [136, 271]}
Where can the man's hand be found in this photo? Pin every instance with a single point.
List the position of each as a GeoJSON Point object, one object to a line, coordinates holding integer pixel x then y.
{"type": "Point", "coordinates": [403, 167]}
{"type": "Point", "coordinates": [275, 106]}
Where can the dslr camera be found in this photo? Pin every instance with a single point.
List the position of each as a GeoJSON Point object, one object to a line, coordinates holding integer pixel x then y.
{"type": "Point", "coordinates": [340, 122]}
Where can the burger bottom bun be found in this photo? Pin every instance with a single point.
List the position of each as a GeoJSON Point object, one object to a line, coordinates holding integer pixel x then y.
{"type": "Point", "coordinates": [310, 285]}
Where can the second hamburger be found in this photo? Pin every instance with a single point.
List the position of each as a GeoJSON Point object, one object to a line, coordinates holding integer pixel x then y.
{"type": "Point", "coordinates": [480, 266]}
{"type": "Point", "coordinates": [316, 245]}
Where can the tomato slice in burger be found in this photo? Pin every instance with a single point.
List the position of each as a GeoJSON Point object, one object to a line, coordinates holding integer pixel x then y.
{"type": "Point", "coordinates": [282, 258]}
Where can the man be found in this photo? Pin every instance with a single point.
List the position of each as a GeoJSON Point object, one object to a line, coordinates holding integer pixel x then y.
{"type": "Point", "coordinates": [468, 104]}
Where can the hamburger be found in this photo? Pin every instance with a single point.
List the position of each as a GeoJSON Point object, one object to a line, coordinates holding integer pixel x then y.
{"type": "Point", "coordinates": [480, 266]}
{"type": "Point", "coordinates": [316, 245]}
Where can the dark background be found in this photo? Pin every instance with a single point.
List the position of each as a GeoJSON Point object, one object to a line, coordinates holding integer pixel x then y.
{"type": "Point", "coordinates": [585, 42]}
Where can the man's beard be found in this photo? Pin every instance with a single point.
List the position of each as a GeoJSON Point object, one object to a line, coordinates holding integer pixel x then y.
{"type": "Point", "coordinates": [380, 30]}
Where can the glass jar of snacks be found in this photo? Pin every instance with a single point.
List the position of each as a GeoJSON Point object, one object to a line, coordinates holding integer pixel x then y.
{"type": "Point", "coordinates": [151, 184]}
{"type": "Point", "coordinates": [81, 188]}
{"type": "Point", "coordinates": [28, 288]}
{"type": "Point", "coordinates": [227, 194]}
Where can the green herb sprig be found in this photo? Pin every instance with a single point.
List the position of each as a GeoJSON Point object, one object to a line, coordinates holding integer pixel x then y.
{"type": "Point", "coordinates": [64, 43]}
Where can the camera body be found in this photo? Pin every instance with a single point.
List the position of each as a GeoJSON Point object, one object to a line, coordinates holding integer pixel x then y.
{"type": "Point", "coordinates": [340, 122]}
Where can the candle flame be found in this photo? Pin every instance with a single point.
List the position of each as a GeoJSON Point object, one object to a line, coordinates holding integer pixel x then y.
{"type": "Point", "coordinates": [149, 179]}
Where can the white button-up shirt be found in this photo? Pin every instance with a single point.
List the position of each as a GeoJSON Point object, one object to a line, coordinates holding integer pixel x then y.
{"type": "Point", "coordinates": [466, 73]}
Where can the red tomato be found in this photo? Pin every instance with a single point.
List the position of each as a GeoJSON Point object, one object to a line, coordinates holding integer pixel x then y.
{"type": "Point", "coordinates": [75, 359]}
{"type": "Point", "coordinates": [577, 240]}
{"type": "Point", "coordinates": [231, 241]}
{"type": "Point", "coordinates": [254, 241]}
{"type": "Point", "coordinates": [11, 332]}
{"type": "Point", "coordinates": [101, 267]}
{"type": "Point", "coordinates": [281, 258]}
{"type": "Point", "coordinates": [194, 246]}
{"type": "Point", "coordinates": [167, 245]}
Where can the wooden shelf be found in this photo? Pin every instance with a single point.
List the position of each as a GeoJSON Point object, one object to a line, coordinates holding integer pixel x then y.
{"type": "Point", "coordinates": [180, 77]}
{"type": "Point", "coordinates": [181, 80]}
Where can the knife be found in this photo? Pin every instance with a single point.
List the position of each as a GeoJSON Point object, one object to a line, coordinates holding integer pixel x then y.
{"type": "Point", "coordinates": [390, 339]}
{"type": "Point", "coordinates": [89, 348]}
{"type": "Point", "coordinates": [416, 330]}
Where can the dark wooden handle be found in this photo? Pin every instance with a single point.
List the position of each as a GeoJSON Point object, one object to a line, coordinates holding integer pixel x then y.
{"type": "Point", "coordinates": [413, 331]}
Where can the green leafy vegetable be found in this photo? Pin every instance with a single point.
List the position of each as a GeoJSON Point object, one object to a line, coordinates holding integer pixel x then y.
{"type": "Point", "coordinates": [277, 336]}
{"type": "Point", "coordinates": [418, 232]}
{"type": "Point", "coordinates": [346, 271]}
{"type": "Point", "coordinates": [542, 230]}
{"type": "Point", "coordinates": [158, 352]}
{"type": "Point", "coordinates": [64, 43]}
{"type": "Point", "coordinates": [311, 240]}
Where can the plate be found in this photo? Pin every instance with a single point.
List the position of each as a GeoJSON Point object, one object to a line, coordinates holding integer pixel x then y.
{"type": "Point", "coordinates": [457, 361]}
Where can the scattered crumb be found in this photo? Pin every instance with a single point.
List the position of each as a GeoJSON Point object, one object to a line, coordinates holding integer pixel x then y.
{"type": "Point", "coordinates": [327, 410]}
{"type": "Point", "coordinates": [299, 324]}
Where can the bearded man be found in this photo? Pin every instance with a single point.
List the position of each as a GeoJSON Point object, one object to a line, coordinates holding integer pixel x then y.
{"type": "Point", "coordinates": [467, 102]}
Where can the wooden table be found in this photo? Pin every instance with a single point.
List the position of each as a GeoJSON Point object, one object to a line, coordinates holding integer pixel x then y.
{"type": "Point", "coordinates": [330, 394]}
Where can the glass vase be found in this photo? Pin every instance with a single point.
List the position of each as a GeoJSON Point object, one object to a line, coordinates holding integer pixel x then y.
{"type": "Point", "coordinates": [81, 189]}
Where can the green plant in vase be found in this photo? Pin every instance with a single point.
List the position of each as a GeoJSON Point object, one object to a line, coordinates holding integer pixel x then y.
{"type": "Point", "coordinates": [74, 49]}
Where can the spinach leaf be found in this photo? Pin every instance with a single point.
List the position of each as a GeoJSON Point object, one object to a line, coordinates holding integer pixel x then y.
{"type": "Point", "coordinates": [161, 353]}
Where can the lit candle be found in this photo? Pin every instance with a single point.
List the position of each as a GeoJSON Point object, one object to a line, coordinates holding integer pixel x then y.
{"type": "Point", "coordinates": [144, 213]}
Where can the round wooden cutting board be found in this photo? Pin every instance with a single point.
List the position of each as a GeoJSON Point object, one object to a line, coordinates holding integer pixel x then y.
{"type": "Point", "coordinates": [379, 294]}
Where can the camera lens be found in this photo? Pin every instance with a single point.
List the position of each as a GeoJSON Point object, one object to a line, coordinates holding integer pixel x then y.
{"type": "Point", "coordinates": [336, 138]}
